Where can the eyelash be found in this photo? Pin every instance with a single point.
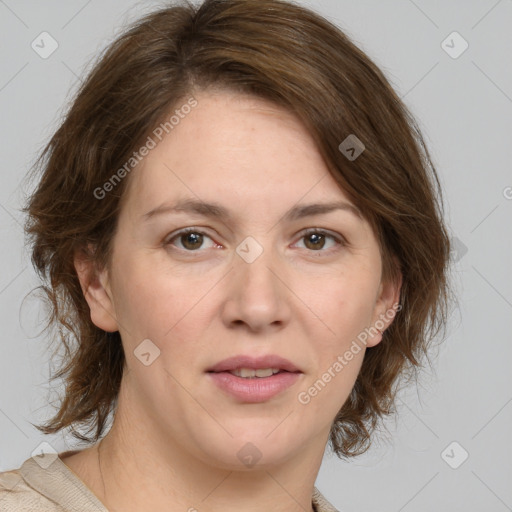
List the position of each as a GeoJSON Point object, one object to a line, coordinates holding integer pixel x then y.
{"type": "Point", "coordinates": [340, 241]}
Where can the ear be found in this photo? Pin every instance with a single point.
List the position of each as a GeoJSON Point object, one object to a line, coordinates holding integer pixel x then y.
{"type": "Point", "coordinates": [387, 306]}
{"type": "Point", "coordinates": [96, 288]}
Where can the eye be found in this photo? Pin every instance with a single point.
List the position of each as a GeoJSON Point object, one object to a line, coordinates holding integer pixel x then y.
{"type": "Point", "coordinates": [317, 239]}
{"type": "Point", "coordinates": [192, 239]}
{"type": "Point", "coordinates": [189, 239]}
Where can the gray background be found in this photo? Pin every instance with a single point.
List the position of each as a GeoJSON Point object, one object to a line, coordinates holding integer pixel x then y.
{"type": "Point", "coordinates": [464, 106]}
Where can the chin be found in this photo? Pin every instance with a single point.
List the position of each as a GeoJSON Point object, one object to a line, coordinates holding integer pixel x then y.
{"type": "Point", "coordinates": [257, 447]}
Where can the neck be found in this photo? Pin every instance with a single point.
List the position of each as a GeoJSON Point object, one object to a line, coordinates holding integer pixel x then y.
{"type": "Point", "coordinates": [142, 469]}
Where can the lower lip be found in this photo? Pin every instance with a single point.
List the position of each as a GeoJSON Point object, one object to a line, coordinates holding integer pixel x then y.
{"type": "Point", "coordinates": [254, 390]}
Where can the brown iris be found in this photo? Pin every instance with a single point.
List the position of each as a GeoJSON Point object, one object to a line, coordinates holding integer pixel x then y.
{"type": "Point", "coordinates": [192, 241]}
{"type": "Point", "coordinates": [316, 241]}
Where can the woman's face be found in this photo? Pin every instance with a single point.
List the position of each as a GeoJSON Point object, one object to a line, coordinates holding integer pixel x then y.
{"type": "Point", "coordinates": [261, 273]}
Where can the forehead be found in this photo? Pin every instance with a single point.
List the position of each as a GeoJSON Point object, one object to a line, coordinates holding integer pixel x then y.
{"type": "Point", "coordinates": [235, 148]}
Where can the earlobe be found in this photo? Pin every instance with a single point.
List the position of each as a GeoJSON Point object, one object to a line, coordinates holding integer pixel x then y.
{"type": "Point", "coordinates": [386, 308]}
{"type": "Point", "coordinates": [96, 289]}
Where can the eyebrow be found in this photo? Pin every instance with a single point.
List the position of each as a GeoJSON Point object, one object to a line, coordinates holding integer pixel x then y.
{"type": "Point", "coordinates": [218, 211]}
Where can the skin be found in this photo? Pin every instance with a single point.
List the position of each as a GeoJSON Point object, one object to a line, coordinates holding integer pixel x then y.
{"type": "Point", "coordinates": [175, 433]}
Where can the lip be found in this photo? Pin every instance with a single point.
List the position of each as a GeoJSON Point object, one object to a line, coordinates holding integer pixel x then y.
{"type": "Point", "coordinates": [243, 361]}
{"type": "Point", "coordinates": [256, 389]}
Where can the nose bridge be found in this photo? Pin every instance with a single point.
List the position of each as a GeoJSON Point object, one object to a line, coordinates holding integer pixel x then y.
{"type": "Point", "coordinates": [257, 297]}
{"type": "Point", "coordinates": [253, 267]}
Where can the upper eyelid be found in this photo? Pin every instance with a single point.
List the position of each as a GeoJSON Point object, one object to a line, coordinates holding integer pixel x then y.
{"type": "Point", "coordinates": [185, 231]}
{"type": "Point", "coordinates": [338, 237]}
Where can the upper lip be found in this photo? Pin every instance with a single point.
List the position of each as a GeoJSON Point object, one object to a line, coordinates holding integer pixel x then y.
{"type": "Point", "coordinates": [255, 363]}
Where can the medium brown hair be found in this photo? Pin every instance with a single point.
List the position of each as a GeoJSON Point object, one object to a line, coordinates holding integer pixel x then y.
{"type": "Point", "coordinates": [280, 52]}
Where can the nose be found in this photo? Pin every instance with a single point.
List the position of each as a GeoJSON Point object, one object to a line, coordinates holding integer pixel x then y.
{"type": "Point", "coordinates": [257, 298]}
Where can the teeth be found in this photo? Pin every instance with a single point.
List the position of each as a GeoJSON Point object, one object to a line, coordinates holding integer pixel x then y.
{"type": "Point", "coordinates": [249, 373]}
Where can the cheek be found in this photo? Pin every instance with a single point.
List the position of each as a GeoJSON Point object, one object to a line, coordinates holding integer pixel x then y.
{"type": "Point", "coordinates": [344, 310]}
{"type": "Point", "coordinates": [343, 305]}
{"type": "Point", "coordinates": [155, 301]}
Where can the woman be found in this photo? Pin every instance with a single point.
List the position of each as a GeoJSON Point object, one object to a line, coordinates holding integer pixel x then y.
{"type": "Point", "coordinates": [241, 234]}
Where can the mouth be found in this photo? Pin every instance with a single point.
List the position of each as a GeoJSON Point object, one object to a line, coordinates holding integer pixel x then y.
{"type": "Point", "coordinates": [248, 366]}
{"type": "Point", "coordinates": [251, 373]}
{"type": "Point", "coordinates": [252, 380]}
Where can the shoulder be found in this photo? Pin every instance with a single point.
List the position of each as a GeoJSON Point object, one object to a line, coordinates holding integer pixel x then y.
{"type": "Point", "coordinates": [17, 496]}
{"type": "Point", "coordinates": [45, 484]}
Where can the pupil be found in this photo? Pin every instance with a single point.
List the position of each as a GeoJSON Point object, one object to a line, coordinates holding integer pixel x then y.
{"type": "Point", "coordinates": [192, 240]}
{"type": "Point", "coordinates": [317, 240]}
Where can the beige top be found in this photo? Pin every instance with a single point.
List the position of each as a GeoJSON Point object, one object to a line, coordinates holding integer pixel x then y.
{"type": "Point", "coordinates": [49, 485]}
